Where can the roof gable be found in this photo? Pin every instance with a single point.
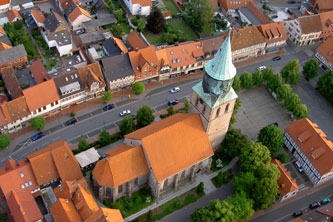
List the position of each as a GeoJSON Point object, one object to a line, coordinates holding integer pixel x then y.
{"type": "Point", "coordinates": [13, 14]}
{"type": "Point", "coordinates": [15, 109]}
{"type": "Point", "coordinates": [135, 41]}
{"type": "Point", "coordinates": [286, 183]}
{"type": "Point", "coordinates": [39, 72]}
{"type": "Point", "coordinates": [38, 15]}
{"type": "Point", "coordinates": [63, 210]}
{"type": "Point", "coordinates": [77, 12]}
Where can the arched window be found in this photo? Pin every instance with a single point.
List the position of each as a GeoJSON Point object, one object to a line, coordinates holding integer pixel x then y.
{"type": "Point", "coordinates": [218, 112]}
{"type": "Point", "coordinates": [227, 108]}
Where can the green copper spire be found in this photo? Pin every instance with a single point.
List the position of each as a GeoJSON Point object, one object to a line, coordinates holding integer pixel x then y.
{"type": "Point", "coordinates": [221, 67]}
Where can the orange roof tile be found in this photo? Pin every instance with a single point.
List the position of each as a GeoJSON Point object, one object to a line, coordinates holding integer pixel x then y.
{"type": "Point", "coordinates": [84, 203]}
{"type": "Point", "coordinates": [326, 49]}
{"type": "Point", "coordinates": [261, 16]}
{"type": "Point", "coordinates": [142, 2]}
{"type": "Point", "coordinates": [135, 41]}
{"type": "Point", "coordinates": [91, 73]}
{"type": "Point", "coordinates": [2, 31]}
{"type": "Point", "coordinates": [326, 19]}
{"type": "Point", "coordinates": [12, 14]}
{"type": "Point", "coordinates": [77, 12]}
{"type": "Point", "coordinates": [273, 32]}
{"type": "Point", "coordinates": [15, 109]}
{"type": "Point", "coordinates": [63, 210]}
{"type": "Point", "coordinates": [310, 24]}
{"type": "Point", "coordinates": [323, 4]}
{"type": "Point", "coordinates": [106, 215]}
{"type": "Point", "coordinates": [18, 178]}
{"type": "Point", "coordinates": [315, 145]}
{"type": "Point", "coordinates": [53, 162]}
{"type": "Point", "coordinates": [66, 3]}
{"type": "Point", "coordinates": [38, 15]}
{"type": "Point", "coordinates": [67, 188]}
{"type": "Point", "coordinates": [4, 2]}
{"type": "Point", "coordinates": [189, 144]}
{"type": "Point", "coordinates": [122, 164]}
{"type": "Point", "coordinates": [120, 44]}
{"type": "Point", "coordinates": [184, 54]}
{"type": "Point", "coordinates": [286, 183]}
{"type": "Point", "coordinates": [162, 58]}
{"type": "Point", "coordinates": [4, 46]}
{"type": "Point", "coordinates": [3, 120]}
{"type": "Point", "coordinates": [41, 95]}
{"type": "Point", "coordinates": [39, 72]}
{"type": "Point", "coordinates": [23, 207]}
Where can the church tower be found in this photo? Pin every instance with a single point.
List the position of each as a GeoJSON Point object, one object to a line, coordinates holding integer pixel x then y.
{"type": "Point", "coordinates": [213, 97]}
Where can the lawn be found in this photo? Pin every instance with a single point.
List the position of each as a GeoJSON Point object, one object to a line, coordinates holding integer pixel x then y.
{"type": "Point", "coordinates": [170, 5]}
{"type": "Point", "coordinates": [183, 28]}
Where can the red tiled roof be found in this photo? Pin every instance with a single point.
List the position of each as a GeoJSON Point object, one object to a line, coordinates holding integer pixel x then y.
{"type": "Point", "coordinates": [261, 16]}
{"type": "Point", "coordinates": [135, 41]}
{"type": "Point", "coordinates": [15, 109]}
{"type": "Point", "coordinates": [106, 215]}
{"type": "Point", "coordinates": [310, 24]}
{"type": "Point", "coordinates": [12, 14]}
{"type": "Point", "coordinates": [326, 49]}
{"type": "Point", "coordinates": [38, 15]}
{"type": "Point", "coordinates": [142, 2]}
{"type": "Point", "coordinates": [4, 2]}
{"type": "Point", "coordinates": [11, 82]}
{"type": "Point", "coordinates": [63, 210]}
{"type": "Point", "coordinates": [38, 72]}
{"type": "Point", "coordinates": [286, 183]}
{"type": "Point", "coordinates": [2, 31]}
{"type": "Point", "coordinates": [77, 12]}
{"type": "Point", "coordinates": [273, 32]}
{"type": "Point", "coordinates": [120, 44]}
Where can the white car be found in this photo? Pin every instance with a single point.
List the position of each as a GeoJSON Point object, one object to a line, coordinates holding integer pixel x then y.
{"type": "Point", "coordinates": [261, 68]}
{"type": "Point", "coordinates": [125, 112]}
{"type": "Point", "coordinates": [174, 90]}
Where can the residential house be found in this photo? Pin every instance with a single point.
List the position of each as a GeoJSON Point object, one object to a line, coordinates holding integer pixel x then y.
{"type": "Point", "coordinates": [102, 18]}
{"type": "Point", "coordinates": [15, 56]}
{"type": "Point", "coordinates": [92, 79]}
{"type": "Point", "coordinates": [311, 148]}
{"type": "Point", "coordinates": [56, 33]}
{"type": "Point", "coordinates": [38, 17]}
{"type": "Point", "coordinates": [322, 5]}
{"type": "Point", "coordinates": [21, 4]}
{"type": "Point", "coordinates": [114, 46]}
{"type": "Point", "coordinates": [275, 36]}
{"type": "Point", "coordinates": [324, 54]}
{"type": "Point", "coordinates": [12, 85]}
{"type": "Point", "coordinates": [38, 72]}
{"type": "Point", "coordinates": [14, 115]}
{"type": "Point", "coordinates": [185, 58]}
{"type": "Point", "coordinates": [42, 98]}
{"type": "Point", "coordinates": [135, 41]}
{"type": "Point", "coordinates": [149, 156]}
{"type": "Point", "coordinates": [139, 7]}
{"type": "Point", "coordinates": [211, 45]}
{"type": "Point", "coordinates": [3, 37]}
{"type": "Point", "coordinates": [164, 64]}
{"type": "Point", "coordinates": [231, 6]}
{"type": "Point", "coordinates": [252, 15]}
{"type": "Point", "coordinates": [118, 72]}
{"type": "Point", "coordinates": [144, 63]}
{"type": "Point", "coordinates": [287, 185]}
{"type": "Point", "coordinates": [91, 38]}
{"type": "Point", "coordinates": [65, 4]}
{"type": "Point", "coordinates": [13, 15]}
{"type": "Point", "coordinates": [4, 5]}
{"type": "Point", "coordinates": [70, 89]}
{"type": "Point", "coordinates": [304, 30]}
{"type": "Point", "coordinates": [326, 19]}
{"type": "Point", "coordinates": [77, 17]}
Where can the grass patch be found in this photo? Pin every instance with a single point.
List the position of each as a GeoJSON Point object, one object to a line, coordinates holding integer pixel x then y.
{"type": "Point", "coordinates": [39, 39]}
{"type": "Point", "coordinates": [185, 30]}
{"type": "Point", "coordinates": [50, 64]}
{"type": "Point", "coordinates": [171, 6]}
{"type": "Point", "coordinates": [222, 178]}
{"type": "Point", "coordinates": [128, 206]}
{"type": "Point", "coordinates": [153, 39]}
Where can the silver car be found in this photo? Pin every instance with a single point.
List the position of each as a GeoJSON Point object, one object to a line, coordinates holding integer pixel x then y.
{"type": "Point", "coordinates": [174, 90]}
{"type": "Point", "coordinates": [125, 112]}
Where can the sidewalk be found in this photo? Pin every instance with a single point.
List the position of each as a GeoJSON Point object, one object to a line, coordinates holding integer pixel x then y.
{"type": "Point", "coordinates": [206, 179]}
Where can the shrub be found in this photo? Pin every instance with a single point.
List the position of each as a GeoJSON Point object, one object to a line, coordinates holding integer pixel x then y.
{"type": "Point", "coordinates": [257, 78]}
{"type": "Point", "coordinates": [301, 111]}
{"type": "Point", "coordinates": [72, 114]}
{"type": "Point", "coordinates": [105, 138]}
{"type": "Point", "coordinates": [38, 123]}
{"type": "Point", "coordinates": [236, 85]}
{"type": "Point", "coordinates": [4, 141]}
{"type": "Point", "coordinates": [283, 157]}
{"type": "Point", "coordinates": [283, 92]}
{"type": "Point", "coordinates": [246, 80]}
{"type": "Point", "coordinates": [138, 87]}
{"type": "Point", "coordinates": [83, 145]}
{"type": "Point", "coordinates": [200, 188]}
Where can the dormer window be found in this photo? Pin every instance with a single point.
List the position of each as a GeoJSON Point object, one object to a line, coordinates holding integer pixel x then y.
{"type": "Point", "coordinates": [171, 52]}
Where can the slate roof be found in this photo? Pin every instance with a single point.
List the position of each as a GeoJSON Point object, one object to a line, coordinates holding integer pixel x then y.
{"type": "Point", "coordinates": [12, 54]}
{"type": "Point", "coordinates": [70, 78]}
{"type": "Point", "coordinates": [111, 47]}
{"type": "Point", "coordinates": [62, 37]}
{"type": "Point", "coordinates": [55, 22]}
{"type": "Point", "coordinates": [91, 37]}
{"type": "Point", "coordinates": [117, 67]}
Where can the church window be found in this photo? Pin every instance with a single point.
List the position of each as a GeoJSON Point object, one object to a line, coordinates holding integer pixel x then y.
{"type": "Point", "coordinates": [218, 112]}
{"type": "Point", "coordinates": [227, 108]}
{"type": "Point", "coordinates": [197, 102]}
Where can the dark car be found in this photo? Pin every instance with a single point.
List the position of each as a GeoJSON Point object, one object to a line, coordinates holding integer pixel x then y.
{"type": "Point", "coordinates": [108, 107]}
{"type": "Point", "coordinates": [37, 136]}
{"type": "Point", "coordinates": [291, 2]}
{"type": "Point", "coordinates": [276, 58]}
{"type": "Point", "coordinates": [274, 124]}
{"type": "Point", "coordinates": [314, 205]}
{"type": "Point", "coordinates": [297, 213]}
{"type": "Point", "coordinates": [325, 201]}
{"type": "Point", "coordinates": [274, 16]}
{"type": "Point", "coordinates": [173, 102]}
{"type": "Point", "coordinates": [71, 121]}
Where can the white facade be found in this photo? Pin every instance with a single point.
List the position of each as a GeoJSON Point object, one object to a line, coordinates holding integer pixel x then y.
{"type": "Point", "coordinates": [3, 20]}
{"type": "Point", "coordinates": [43, 110]}
{"type": "Point", "coordinates": [288, 195]}
{"type": "Point", "coordinates": [121, 83]}
{"type": "Point", "coordinates": [62, 50]}
{"type": "Point", "coordinates": [323, 61]}
{"type": "Point", "coordinates": [294, 33]}
{"type": "Point", "coordinates": [77, 23]}
{"type": "Point", "coordinates": [137, 9]}
{"type": "Point", "coordinates": [4, 8]}
{"type": "Point", "coordinates": [28, 5]}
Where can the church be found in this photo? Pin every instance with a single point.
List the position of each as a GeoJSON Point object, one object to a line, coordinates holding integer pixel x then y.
{"type": "Point", "coordinates": [168, 153]}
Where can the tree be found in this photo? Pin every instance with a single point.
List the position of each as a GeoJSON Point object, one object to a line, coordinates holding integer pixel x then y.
{"type": "Point", "coordinates": [274, 82]}
{"type": "Point", "coordinates": [156, 21]}
{"type": "Point", "coordinates": [246, 80]}
{"type": "Point", "coordinates": [216, 211]}
{"type": "Point", "coordinates": [141, 25]}
{"type": "Point", "coordinates": [244, 182]}
{"type": "Point", "coordinates": [186, 105]}
{"type": "Point", "coordinates": [267, 73]}
{"type": "Point", "coordinates": [138, 87]}
{"type": "Point", "coordinates": [283, 157]}
{"type": "Point", "coordinates": [171, 110]}
{"type": "Point", "coordinates": [301, 111]}
{"type": "Point", "coordinates": [272, 138]}
{"type": "Point", "coordinates": [264, 193]}
{"type": "Point", "coordinates": [83, 145]}
{"type": "Point", "coordinates": [264, 6]}
{"type": "Point", "coordinates": [311, 68]}
{"type": "Point", "coordinates": [267, 170]}
{"type": "Point", "coordinates": [242, 206]}
{"type": "Point", "coordinates": [325, 84]}
{"type": "Point", "coordinates": [38, 123]}
{"type": "Point", "coordinates": [234, 113]}
{"type": "Point", "coordinates": [252, 155]}
{"type": "Point", "coordinates": [105, 138]}
{"type": "Point", "coordinates": [4, 141]}
{"type": "Point", "coordinates": [232, 144]}
{"type": "Point", "coordinates": [144, 116]}
{"type": "Point", "coordinates": [283, 92]}
{"type": "Point", "coordinates": [107, 96]}
{"type": "Point", "coordinates": [257, 78]}
{"type": "Point", "coordinates": [127, 125]}
{"type": "Point", "coordinates": [291, 102]}
{"type": "Point", "coordinates": [200, 15]}
{"type": "Point", "coordinates": [236, 85]}
{"type": "Point", "coordinates": [290, 72]}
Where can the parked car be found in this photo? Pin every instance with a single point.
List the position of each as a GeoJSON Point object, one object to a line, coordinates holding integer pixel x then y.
{"type": "Point", "coordinates": [125, 112]}
{"type": "Point", "coordinates": [71, 121]}
{"type": "Point", "coordinates": [174, 90]}
{"type": "Point", "coordinates": [37, 136]}
{"type": "Point", "coordinates": [291, 2]}
{"type": "Point", "coordinates": [277, 58]}
{"type": "Point", "coordinates": [299, 166]}
{"type": "Point", "coordinates": [325, 201]}
{"type": "Point", "coordinates": [261, 68]}
{"type": "Point", "coordinates": [108, 107]}
{"type": "Point", "coordinates": [180, 3]}
{"type": "Point", "coordinates": [274, 124]}
{"type": "Point", "coordinates": [133, 116]}
{"type": "Point", "coordinates": [274, 16]}
{"type": "Point", "coordinates": [173, 102]}
{"type": "Point", "coordinates": [314, 205]}
{"type": "Point", "coordinates": [264, 1]}
{"type": "Point", "coordinates": [298, 213]}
